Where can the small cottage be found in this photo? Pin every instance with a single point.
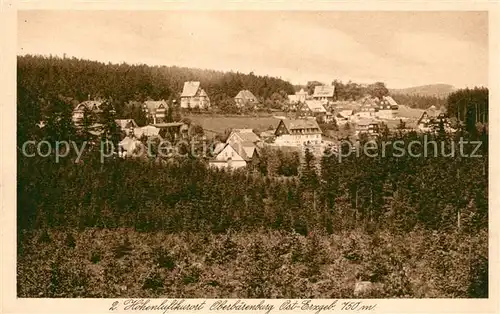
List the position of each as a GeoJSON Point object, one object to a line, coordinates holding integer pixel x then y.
{"type": "Point", "coordinates": [228, 157]}
{"type": "Point", "coordinates": [245, 98]}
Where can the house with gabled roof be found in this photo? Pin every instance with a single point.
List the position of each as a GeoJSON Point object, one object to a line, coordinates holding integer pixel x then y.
{"type": "Point", "coordinates": [228, 157]}
{"type": "Point", "coordinates": [324, 93]}
{"type": "Point", "coordinates": [343, 116]}
{"type": "Point", "coordinates": [155, 110]}
{"type": "Point", "coordinates": [193, 96]}
{"type": "Point", "coordinates": [367, 125]}
{"type": "Point", "coordinates": [387, 108]}
{"type": "Point", "coordinates": [242, 136]}
{"type": "Point", "coordinates": [93, 107]}
{"type": "Point", "coordinates": [245, 98]}
{"type": "Point", "coordinates": [431, 118]}
{"type": "Point", "coordinates": [298, 132]}
{"type": "Point", "coordinates": [315, 108]}
{"type": "Point", "coordinates": [298, 97]}
{"type": "Point", "coordinates": [393, 104]}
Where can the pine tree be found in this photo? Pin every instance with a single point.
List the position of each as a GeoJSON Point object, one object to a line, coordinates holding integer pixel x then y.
{"type": "Point", "coordinates": [110, 130]}
{"type": "Point", "coordinates": [60, 126]}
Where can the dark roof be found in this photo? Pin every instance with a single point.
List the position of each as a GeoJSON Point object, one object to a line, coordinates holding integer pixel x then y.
{"type": "Point", "coordinates": [300, 124]}
{"type": "Point", "coordinates": [93, 105]}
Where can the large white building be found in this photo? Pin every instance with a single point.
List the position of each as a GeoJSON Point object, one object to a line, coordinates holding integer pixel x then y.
{"type": "Point", "coordinates": [298, 97]}
{"type": "Point", "coordinates": [298, 132]}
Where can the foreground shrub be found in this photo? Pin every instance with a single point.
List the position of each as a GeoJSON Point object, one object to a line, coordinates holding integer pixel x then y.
{"type": "Point", "coordinates": [261, 264]}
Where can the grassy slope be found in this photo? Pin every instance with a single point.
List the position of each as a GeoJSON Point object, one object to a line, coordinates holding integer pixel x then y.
{"type": "Point", "coordinates": [266, 264]}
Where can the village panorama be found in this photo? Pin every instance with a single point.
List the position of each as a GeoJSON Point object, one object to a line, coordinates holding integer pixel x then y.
{"type": "Point", "coordinates": [265, 188]}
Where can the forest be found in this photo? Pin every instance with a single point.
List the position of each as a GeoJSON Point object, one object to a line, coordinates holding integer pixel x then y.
{"type": "Point", "coordinates": [83, 79]}
{"type": "Point", "coordinates": [420, 102]}
{"type": "Point", "coordinates": [377, 214]}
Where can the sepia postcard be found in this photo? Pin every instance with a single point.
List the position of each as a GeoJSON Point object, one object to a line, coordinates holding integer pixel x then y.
{"type": "Point", "coordinates": [249, 157]}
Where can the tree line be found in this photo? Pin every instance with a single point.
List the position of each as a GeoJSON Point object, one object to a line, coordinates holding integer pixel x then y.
{"type": "Point", "coordinates": [82, 79]}
{"type": "Point", "coordinates": [420, 101]}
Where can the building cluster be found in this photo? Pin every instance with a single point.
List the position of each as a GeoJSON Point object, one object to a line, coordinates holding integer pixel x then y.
{"type": "Point", "coordinates": [366, 116]}
{"type": "Point", "coordinates": [313, 105]}
{"type": "Point", "coordinates": [156, 129]}
{"type": "Point", "coordinates": [432, 118]}
{"type": "Point", "coordinates": [243, 146]}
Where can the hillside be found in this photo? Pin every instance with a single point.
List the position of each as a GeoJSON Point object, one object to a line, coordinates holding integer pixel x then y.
{"type": "Point", "coordinates": [81, 79]}
{"type": "Point", "coordinates": [434, 90]}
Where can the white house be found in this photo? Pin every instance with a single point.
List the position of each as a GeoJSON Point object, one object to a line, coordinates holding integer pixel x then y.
{"type": "Point", "coordinates": [239, 136]}
{"type": "Point", "coordinates": [228, 157]}
{"type": "Point", "coordinates": [430, 119]}
{"type": "Point", "coordinates": [193, 96]}
{"type": "Point", "coordinates": [299, 96]}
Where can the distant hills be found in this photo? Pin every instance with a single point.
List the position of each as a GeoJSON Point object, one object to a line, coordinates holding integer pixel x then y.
{"type": "Point", "coordinates": [433, 90]}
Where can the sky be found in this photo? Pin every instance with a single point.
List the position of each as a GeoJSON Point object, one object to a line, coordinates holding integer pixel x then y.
{"type": "Point", "coordinates": [402, 49]}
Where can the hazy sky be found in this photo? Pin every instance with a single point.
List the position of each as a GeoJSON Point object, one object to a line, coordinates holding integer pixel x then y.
{"type": "Point", "coordinates": [401, 49]}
